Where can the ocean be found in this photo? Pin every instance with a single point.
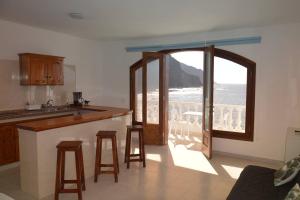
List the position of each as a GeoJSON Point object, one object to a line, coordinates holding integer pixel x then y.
{"type": "Point", "coordinates": [232, 94]}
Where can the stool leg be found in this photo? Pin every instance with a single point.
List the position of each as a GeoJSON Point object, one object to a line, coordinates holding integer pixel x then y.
{"type": "Point", "coordinates": [114, 152]}
{"type": "Point", "coordinates": [126, 146]}
{"type": "Point", "coordinates": [58, 173]}
{"type": "Point", "coordinates": [128, 149]}
{"type": "Point", "coordinates": [100, 154]}
{"type": "Point", "coordinates": [82, 169]}
{"type": "Point", "coordinates": [117, 156]}
{"type": "Point", "coordinates": [140, 146]}
{"type": "Point", "coordinates": [97, 160]}
{"type": "Point", "coordinates": [78, 175]}
{"type": "Point", "coordinates": [62, 185]}
{"type": "Point", "coordinates": [143, 148]}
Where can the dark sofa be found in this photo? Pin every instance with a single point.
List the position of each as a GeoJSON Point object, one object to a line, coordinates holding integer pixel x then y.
{"type": "Point", "coordinates": [256, 183]}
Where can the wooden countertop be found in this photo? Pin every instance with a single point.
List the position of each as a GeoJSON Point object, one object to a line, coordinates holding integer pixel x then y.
{"type": "Point", "coordinates": [103, 113]}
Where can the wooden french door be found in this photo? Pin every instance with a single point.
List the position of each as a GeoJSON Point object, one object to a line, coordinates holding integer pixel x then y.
{"type": "Point", "coordinates": [155, 98]}
{"type": "Point", "coordinates": [207, 119]}
{"type": "Point", "coordinates": [149, 97]}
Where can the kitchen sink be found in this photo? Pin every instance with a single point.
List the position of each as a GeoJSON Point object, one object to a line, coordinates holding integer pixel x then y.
{"type": "Point", "coordinates": [44, 111]}
{"type": "Point", "coordinates": [89, 111]}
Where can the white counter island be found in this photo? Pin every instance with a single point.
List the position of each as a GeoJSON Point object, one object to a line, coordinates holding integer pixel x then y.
{"type": "Point", "coordinates": [38, 142]}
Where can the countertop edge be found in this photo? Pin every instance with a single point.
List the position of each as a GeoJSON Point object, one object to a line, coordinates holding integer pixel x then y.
{"type": "Point", "coordinates": [59, 122]}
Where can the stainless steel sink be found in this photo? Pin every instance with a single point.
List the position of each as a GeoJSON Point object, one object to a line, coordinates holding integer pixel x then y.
{"type": "Point", "coordinates": [85, 111]}
{"type": "Point", "coordinates": [29, 113]}
{"type": "Point", "coordinates": [44, 111]}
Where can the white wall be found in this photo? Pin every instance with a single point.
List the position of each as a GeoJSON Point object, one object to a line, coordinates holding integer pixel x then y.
{"type": "Point", "coordinates": [115, 82]}
{"type": "Point", "coordinates": [103, 74]}
{"type": "Point", "coordinates": [277, 82]}
{"type": "Point", "coordinates": [84, 54]}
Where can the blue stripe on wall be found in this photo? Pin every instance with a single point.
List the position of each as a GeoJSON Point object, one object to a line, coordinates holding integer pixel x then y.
{"type": "Point", "coordinates": [223, 42]}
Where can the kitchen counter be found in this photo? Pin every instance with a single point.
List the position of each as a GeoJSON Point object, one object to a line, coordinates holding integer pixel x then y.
{"type": "Point", "coordinates": [21, 113]}
{"type": "Point", "coordinates": [100, 113]}
{"type": "Point", "coordinates": [38, 140]}
{"type": "Point", "coordinates": [9, 144]}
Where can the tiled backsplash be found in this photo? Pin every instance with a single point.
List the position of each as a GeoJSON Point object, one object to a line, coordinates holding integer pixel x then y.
{"type": "Point", "coordinates": [15, 96]}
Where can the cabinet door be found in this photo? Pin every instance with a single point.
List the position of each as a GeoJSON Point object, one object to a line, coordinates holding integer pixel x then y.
{"type": "Point", "coordinates": [38, 71]}
{"type": "Point", "coordinates": [24, 70]}
{"type": "Point", "coordinates": [8, 144]}
{"type": "Point", "coordinates": [55, 72]}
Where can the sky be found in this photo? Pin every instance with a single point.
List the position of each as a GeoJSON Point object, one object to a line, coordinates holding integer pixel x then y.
{"type": "Point", "coordinates": [225, 71]}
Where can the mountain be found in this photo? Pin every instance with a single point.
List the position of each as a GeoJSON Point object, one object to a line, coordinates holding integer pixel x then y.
{"type": "Point", "coordinates": [182, 75]}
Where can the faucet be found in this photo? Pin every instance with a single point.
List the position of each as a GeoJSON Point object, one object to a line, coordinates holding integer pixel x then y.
{"type": "Point", "coordinates": [49, 103]}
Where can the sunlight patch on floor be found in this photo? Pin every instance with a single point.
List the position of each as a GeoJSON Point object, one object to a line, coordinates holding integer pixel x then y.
{"type": "Point", "coordinates": [154, 157]}
{"type": "Point", "coordinates": [191, 159]}
{"type": "Point", "coordinates": [149, 156]}
{"type": "Point", "coordinates": [196, 139]}
{"type": "Point", "coordinates": [234, 172]}
{"type": "Point", "coordinates": [184, 137]}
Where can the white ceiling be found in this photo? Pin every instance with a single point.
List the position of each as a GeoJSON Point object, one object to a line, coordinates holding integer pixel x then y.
{"type": "Point", "coordinates": [115, 19]}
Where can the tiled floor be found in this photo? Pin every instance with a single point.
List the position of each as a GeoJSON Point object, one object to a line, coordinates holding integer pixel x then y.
{"type": "Point", "coordinates": [173, 172]}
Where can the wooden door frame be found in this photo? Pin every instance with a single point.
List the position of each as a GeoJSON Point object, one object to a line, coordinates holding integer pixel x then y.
{"type": "Point", "coordinates": [208, 133]}
{"type": "Point", "coordinates": [251, 68]}
{"type": "Point", "coordinates": [250, 107]}
{"type": "Point", "coordinates": [163, 108]}
{"type": "Point", "coordinates": [163, 87]}
{"type": "Point", "coordinates": [132, 91]}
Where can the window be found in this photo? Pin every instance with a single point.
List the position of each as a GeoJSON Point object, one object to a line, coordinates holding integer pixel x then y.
{"type": "Point", "coordinates": [233, 91]}
{"type": "Point", "coordinates": [230, 90]}
{"type": "Point", "coordinates": [234, 96]}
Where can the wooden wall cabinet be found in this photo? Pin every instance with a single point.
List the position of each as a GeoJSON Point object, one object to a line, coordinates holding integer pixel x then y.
{"type": "Point", "coordinates": [9, 144]}
{"type": "Point", "coordinates": [37, 69]}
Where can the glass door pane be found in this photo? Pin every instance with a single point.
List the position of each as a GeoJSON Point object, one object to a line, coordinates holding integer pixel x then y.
{"type": "Point", "coordinates": [230, 94]}
{"type": "Point", "coordinates": [139, 94]}
{"type": "Point", "coordinates": [208, 101]}
{"type": "Point", "coordinates": [185, 97]}
{"type": "Point", "coordinates": [153, 92]}
{"type": "Point", "coordinates": [207, 92]}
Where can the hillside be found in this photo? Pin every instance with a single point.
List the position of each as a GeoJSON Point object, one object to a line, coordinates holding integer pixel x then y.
{"type": "Point", "coordinates": [182, 75]}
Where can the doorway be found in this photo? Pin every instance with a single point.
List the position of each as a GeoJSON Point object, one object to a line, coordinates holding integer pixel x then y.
{"type": "Point", "coordinates": [150, 99]}
{"type": "Point", "coordinates": [185, 99]}
{"type": "Point", "coordinates": [175, 98]}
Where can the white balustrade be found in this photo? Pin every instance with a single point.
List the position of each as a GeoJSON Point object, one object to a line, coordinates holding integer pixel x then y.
{"type": "Point", "coordinates": [187, 116]}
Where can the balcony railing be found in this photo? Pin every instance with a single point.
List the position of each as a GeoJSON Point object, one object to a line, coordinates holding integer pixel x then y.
{"type": "Point", "coordinates": [186, 117]}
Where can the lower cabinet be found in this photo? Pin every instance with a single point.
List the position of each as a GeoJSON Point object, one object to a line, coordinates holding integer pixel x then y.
{"type": "Point", "coordinates": [9, 144]}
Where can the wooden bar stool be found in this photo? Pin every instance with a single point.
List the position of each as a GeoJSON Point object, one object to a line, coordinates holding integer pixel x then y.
{"type": "Point", "coordinates": [98, 165]}
{"type": "Point", "coordinates": [62, 148]}
{"type": "Point", "coordinates": [131, 157]}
